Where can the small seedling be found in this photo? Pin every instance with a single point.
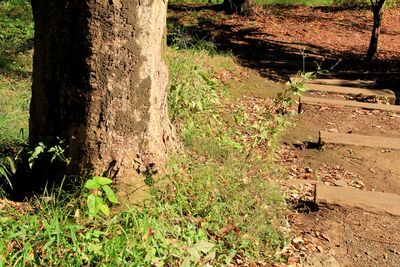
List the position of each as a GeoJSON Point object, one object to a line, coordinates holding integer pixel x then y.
{"type": "Point", "coordinates": [96, 202]}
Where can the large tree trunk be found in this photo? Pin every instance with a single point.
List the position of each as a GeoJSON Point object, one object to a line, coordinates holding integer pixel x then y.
{"type": "Point", "coordinates": [377, 9]}
{"type": "Point", "coordinates": [241, 7]}
{"type": "Point", "coordinates": [99, 83]}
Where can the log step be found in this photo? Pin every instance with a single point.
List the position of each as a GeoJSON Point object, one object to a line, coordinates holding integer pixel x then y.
{"type": "Point", "coordinates": [343, 82]}
{"type": "Point", "coordinates": [347, 103]}
{"type": "Point", "coordinates": [359, 140]}
{"type": "Point", "coordinates": [381, 94]}
{"type": "Point", "coordinates": [377, 202]}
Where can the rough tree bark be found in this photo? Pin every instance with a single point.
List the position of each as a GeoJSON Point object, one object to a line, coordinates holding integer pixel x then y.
{"type": "Point", "coordinates": [377, 9]}
{"type": "Point", "coordinates": [241, 7]}
{"type": "Point", "coordinates": [100, 84]}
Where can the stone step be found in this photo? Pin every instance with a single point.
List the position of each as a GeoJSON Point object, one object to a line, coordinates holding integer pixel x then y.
{"type": "Point", "coordinates": [344, 90]}
{"type": "Point", "coordinates": [377, 202]}
{"type": "Point", "coordinates": [316, 101]}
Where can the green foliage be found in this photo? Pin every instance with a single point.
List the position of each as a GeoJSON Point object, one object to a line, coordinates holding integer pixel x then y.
{"type": "Point", "coordinates": [267, 129]}
{"type": "Point", "coordinates": [296, 86]}
{"type": "Point", "coordinates": [56, 151]}
{"type": "Point", "coordinates": [95, 201]}
{"type": "Point", "coordinates": [7, 170]}
{"type": "Point", "coordinates": [16, 33]}
{"type": "Point", "coordinates": [192, 89]}
{"type": "Point", "coordinates": [24, 158]}
{"type": "Point", "coordinates": [210, 207]}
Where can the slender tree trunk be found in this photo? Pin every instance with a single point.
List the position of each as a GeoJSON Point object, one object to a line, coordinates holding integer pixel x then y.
{"type": "Point", "coordinates": [241, 7]}
{"type": "Point", "coordinates": [99, 83]}
{"type": "Point", "coordinates": [377, 9]}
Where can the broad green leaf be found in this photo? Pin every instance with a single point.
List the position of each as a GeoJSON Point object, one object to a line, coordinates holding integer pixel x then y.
{"type": "Point", "coordinates": [204, 246]}
{"type": "Point", "coordinates": [91, 184]}
{"type": "Point", "coordinates": [91, 203]}
{"type": "Point", "coordinates": [97, 249]}
{"type": "Point", "coordinates": [194, 254]}
{"type": "Point", "coordinates": [102, 180]}
{"type": "Point", "coordinates": [104, 209]}
{"type": "Point", "coordinates": [186, 262]}
{"type": "Point", "coordinates": [36, 152]}
{"type": "Point", "coordinates": [99, 202]}
{"type": "Point", "coordinates": [110, 194]}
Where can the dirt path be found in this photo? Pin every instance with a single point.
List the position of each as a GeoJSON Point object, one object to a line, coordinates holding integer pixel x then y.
{"type": "Point", "coordinates": [354, 237]}
{"type": "Point", "coordinates": [329, 235]}
{"type": "Point", "coordinates": [270, 45]}
{"type": "Point", "coordinates": [276, 36]}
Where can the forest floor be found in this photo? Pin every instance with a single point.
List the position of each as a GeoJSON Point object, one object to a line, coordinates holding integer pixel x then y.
{"type": "Point", "coordinates": [224, 200]}
{"type": "Point", "coordinates": [273, 41]}
{"type": "Point", "coordinates": [271, 46]}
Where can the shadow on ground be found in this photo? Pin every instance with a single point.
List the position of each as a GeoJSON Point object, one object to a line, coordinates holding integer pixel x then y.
{"type": "Point", "coordinates": [9, 60]}
{"type": "Point", "coordinates": [275, 59]}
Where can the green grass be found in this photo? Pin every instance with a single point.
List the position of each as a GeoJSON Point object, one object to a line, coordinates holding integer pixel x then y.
{"type": "Point", "coordinates": [16, 33]}
{"type": "Point", "coordinates": [211, 206]}
{"type": "Point", "coordinates": [214, 204]}
{"type": "Point", "coordinates": [14, 107]}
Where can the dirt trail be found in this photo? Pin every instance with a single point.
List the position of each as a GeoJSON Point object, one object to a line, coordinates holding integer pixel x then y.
{"type": "Point", "coordinates": [351, 236]}
{"type": "Point", "coordinates": [354, 237]}
{"type": "Point", "coordinates": [271, 45]}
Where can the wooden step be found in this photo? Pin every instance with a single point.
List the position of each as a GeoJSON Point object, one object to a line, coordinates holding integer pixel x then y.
{"type": "Point", "coordinates": [381, 94]}
{"type": "Point", "coordinates": [359, 140]}
{"type": "Point", "coordinates": [347, 103]}
{"type": "Point", "coordinates": [343, 82]}
{"type": "Point", "coordinates": [289, 66]}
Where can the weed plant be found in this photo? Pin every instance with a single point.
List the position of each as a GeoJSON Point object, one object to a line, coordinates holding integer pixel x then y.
{"type": "Point", "coordinates": [213, 205]}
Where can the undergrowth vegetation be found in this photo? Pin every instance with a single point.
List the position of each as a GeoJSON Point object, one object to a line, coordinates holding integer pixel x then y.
{"type": "Point", "coordinates": [213, 205]}
{"type": "Point", "coordinates": [16, 33]}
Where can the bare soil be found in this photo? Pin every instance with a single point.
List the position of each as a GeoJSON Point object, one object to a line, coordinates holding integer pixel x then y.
{"type": "Point", "coordinates": [271, 45]}
{"type": "Point", "coordinates": [273, 41]}
{"type": "Point", "coordinates": [354, 237]}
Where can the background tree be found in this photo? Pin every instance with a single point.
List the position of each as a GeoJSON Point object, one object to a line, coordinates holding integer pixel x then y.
{"type": "Point", "coordinates": [99, 83]}
{"type": "Point", "coordinates": [377, 9]}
